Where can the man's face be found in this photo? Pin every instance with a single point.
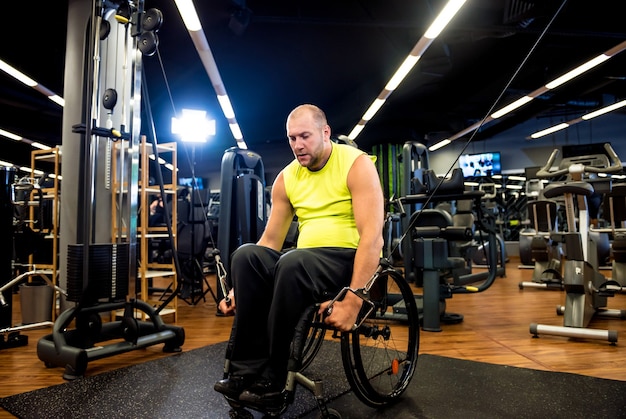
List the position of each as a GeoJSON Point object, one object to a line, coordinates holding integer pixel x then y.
{"type": "Point", "coordinates": [306, 140]}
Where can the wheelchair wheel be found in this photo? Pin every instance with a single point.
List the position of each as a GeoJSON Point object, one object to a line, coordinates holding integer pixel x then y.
{"type": "Point", "coordinates": [313, 342]}
{"type": "Point", "coordinates": [380, 356]}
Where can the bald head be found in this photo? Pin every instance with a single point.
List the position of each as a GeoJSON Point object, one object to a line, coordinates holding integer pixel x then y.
{"type": "Point", "coordinates": [318, 115]}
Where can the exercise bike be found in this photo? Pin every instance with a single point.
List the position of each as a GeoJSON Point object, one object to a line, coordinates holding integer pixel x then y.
{"type": "Point", "coordinates": [544, 246]}
{"type": "Point", "coordinates": [586, 289]}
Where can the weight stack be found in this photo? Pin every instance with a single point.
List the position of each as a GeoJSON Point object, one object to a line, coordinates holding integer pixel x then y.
{"type": "Point", "coordinates": [108, 276]}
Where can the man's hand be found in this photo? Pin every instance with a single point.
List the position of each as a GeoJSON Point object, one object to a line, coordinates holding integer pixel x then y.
{"type": "Point", "coordinates": [227, 304]}
{"type": "Point", "coordinates": [341, 315]}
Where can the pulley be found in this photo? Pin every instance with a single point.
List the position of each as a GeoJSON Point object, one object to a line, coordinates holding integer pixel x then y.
{"type": "Point", "coordinates": [109, 99]}
{"type": "Point", "coordinates": [152, 20]}
{"type": "Point", "coordinates": [148, 43]}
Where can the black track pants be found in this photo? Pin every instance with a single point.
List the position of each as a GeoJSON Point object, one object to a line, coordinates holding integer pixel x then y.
{"type": "Point", "coordinates": [272, 290]}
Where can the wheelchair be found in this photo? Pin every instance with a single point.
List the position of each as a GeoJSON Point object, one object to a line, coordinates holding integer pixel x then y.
{"type": "Point", "coordinates": [379, 354]}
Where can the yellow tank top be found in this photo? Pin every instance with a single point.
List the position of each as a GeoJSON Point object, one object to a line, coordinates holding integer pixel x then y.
{"type": "Point", "coordinates": [322, 200]}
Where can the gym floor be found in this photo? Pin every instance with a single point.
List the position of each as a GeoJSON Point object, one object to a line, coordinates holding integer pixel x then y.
{"type": "Point", "coordinates": [495, 329]}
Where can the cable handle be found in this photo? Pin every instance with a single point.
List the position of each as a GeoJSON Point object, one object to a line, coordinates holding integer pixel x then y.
{"type": "Point", "coordinates": [362, 293]}
{"type": "Point", "coordinates": [221, 276]}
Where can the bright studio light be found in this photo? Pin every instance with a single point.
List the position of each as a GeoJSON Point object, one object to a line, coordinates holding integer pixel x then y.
{"type": "Point", "coordinates": [193, 126]}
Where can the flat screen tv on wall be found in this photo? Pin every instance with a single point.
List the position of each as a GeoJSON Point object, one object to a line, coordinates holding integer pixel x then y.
{"type": "Point", "coordinates": [188, 181]}
{"type": "Point", "coordinates": [480, 164]}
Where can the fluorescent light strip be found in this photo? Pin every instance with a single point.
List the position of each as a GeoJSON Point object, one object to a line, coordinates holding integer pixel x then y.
{"type": "Point", "coordinates": [187, 11]}
{"type": "Point", "coordinates": [446, 15]}
{"type": "Point", "coordinates": [511, 107]}
{"type": "Point", "coordinates": [21, 77]}
{"type": "Point", "coordinates": [440, 22]}
{"type": "Point", "coordinates": [374, 107]}
{"type": "Point", "coordinates": [192, 23]}
{"type": "Point", "coordinates": [16, 74]}
{"type": "Point", "coordinates": [604, 110]}
{"type": "Point", "coordinates": [40, 146]}
{"type": "Point", "coordinates": [549, 130]}
{"type": "Point", "coordinates": [585, 117]}
{"type": "Point", "coordinates": [18, 138]}
{"type": "Point", "coordinates": [577, 71]}
{"type": "Point", "coordinates": [58, 100]}
{"type": "Point", "coordinates": [402, 72]}
{"type": "Point", "coordinates": [10, 135]}
{"type": "Point", "coordinates": [440, 144]}
{"type": "Point", "coordinates": [226, 106]}
{"type": "Point", "coordinates": [356, 131]}
{"type": "Point", "coordinates": [194, 27]}
{"type": "Point", "coordinates": [551, 85]}
{"type": "Point", "coordinates": [234, 128]}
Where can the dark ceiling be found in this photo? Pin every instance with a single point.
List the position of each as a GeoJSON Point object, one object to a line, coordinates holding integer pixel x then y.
{"type": "Point", "coordinates": [338, 54]}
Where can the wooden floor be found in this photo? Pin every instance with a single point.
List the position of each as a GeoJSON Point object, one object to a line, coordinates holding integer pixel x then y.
{"type": "Point", "coordinates": [495, 329]}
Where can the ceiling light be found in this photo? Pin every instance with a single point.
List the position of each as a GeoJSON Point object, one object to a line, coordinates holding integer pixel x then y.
{"type": "Point", "coordinates": [374, 107]}
{"type": "Point", "coordinates": [190, 18]}
{"type": "Point", "coordinates": [444, 18]}
{"type": "Point", "coordinates": [401, 73]}
{"type": "Point", "coordinates": [40, 146]}
{"type": "Point", "coordinates": [188, 12]}
{"type": "Point", "coordinates": [549, 130]}
{"type": "Point", "coordinates": [58, 100]}
{"type": "Point", "coordinates": [234, 128]}
{"type": "Point", "coordinates": [440, 144]}
{"type": "Point", "coordinates": [577, 71]}
{"type": "Point", "coordinates": [440, 22]}
{"type": "Point", "coordinates": [226, 106]}
{"type": "Point", "coordinates": [557, 82]}
{"type": "Point", "coordinates": [512, 106]}
{"type": "Point", "coordinates": [585, 117]}
{"type": "Point", "coordinates": [604, 110]}
{"type": "Point", "coordinates": [10, 135]}
{"type": "Point", "coordinates": [356, 131]}
{"type": "Point", "coordinates": [17, 74]}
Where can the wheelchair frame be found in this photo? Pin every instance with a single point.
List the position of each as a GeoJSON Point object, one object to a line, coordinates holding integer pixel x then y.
{"type": "Point", "coordinates": [379, 354]}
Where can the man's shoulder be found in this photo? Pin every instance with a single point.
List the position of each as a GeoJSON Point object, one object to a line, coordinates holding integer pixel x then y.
{"type": "Point", "coordinates": [348, 151]}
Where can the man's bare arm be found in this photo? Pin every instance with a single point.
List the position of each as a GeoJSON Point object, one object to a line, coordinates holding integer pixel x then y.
{"type": "Point", "coordinates": [281, 216]}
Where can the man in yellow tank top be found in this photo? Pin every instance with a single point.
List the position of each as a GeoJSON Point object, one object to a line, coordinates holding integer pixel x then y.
{"type": "Point", "coordinates": [335, 193]}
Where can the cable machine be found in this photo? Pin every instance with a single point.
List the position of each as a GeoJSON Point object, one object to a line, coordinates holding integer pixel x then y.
{"type": "Point", "coordinates": [414, 164]}
{"type": "Point", "coordinates": [105, 44]}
